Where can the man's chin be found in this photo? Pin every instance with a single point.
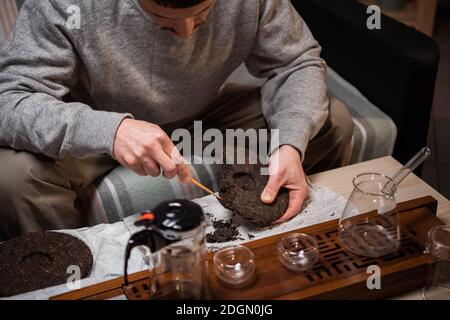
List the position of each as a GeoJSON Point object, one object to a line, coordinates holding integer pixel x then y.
{"type": "Point", "coordinates": [173, 32]}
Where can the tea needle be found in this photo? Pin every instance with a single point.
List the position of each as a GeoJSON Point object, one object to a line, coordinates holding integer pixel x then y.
{"type": "Point", "coordinates": [198, 184]}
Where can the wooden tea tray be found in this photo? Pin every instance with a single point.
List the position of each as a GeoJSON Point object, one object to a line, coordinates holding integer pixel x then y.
{"type": "Point", "coordinates": [338, 274]}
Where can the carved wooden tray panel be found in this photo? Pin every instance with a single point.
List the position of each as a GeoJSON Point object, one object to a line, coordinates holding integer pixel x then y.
{"type": "Point", "coordinates": [338, 274]}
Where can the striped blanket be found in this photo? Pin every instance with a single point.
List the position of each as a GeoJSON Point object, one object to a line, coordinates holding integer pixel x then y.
{"type": "Point", "coordinates": [122, 193]}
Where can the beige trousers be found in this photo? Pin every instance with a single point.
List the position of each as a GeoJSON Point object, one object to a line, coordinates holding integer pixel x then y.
{"type": "Point", "coordinates": [40, 193]}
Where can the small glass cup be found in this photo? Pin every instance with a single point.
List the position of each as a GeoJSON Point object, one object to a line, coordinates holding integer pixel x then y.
{"type": "Point", "coordinates": [437, 286]}
{"type": "Point", "coordinates": [298, 252]}
{"type": "Point", "coordinates": [235, 266]}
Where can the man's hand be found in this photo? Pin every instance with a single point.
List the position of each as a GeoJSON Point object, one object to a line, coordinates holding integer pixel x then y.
{"type": "Point", "coordinates": [285, 169]}
{"type": "Point", "coordinates": [146, 148]}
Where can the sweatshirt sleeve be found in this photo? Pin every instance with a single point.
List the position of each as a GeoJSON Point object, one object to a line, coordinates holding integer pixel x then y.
{"type": "Point", "coordinates": [38, 67]}
{"type": "Point", "coordinates": [294, 98]}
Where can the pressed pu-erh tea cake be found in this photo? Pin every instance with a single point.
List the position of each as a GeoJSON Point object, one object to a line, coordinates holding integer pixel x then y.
{"type": "Point", "coordinates": [241, 186]}
{"type": "Point", "coordinates": [40, 260]}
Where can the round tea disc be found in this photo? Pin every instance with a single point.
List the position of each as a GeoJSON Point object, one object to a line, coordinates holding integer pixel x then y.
{"type": "Point", "coordinates": [40, 260]}
{"type": "Point", "coordinates": [241, 186]}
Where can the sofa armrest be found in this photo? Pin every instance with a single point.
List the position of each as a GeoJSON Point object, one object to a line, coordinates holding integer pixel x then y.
{"type": "Point", "coordinates": [394, 67]}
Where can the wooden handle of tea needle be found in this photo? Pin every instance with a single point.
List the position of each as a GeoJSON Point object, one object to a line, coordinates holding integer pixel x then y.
{"type": "Point", "coordinates": [198, 184]}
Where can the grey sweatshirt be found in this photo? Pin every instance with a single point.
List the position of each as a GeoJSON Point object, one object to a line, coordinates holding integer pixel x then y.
{"type": "Point", "coordinates": [65, 90]}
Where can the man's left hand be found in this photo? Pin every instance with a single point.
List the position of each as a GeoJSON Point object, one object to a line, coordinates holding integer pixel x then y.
{"type": "Point", "coordinates": [285, 169]}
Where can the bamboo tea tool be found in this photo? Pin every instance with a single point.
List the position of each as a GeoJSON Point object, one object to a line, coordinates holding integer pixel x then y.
{"type": "Point", "coordinates": [198, 184]}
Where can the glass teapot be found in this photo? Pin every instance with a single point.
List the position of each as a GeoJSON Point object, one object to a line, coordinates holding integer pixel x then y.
{"type": "Point", "coordinates": [175, 234]}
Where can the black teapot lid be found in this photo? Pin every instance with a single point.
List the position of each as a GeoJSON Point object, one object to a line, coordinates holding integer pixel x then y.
{"type": "Point", "coordinates": [178, 215]}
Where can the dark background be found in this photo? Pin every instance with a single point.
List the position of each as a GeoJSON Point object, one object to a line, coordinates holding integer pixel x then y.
{"type": "Point", "coordinates": [436, 170]}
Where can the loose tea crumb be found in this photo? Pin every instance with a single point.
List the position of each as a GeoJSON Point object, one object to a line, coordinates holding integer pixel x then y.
{"type": "Point", "coordinates": [224, 231]}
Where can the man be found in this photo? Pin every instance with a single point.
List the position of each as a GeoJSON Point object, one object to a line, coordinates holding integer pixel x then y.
{"type": "Point", "coordinates": [77, 98]}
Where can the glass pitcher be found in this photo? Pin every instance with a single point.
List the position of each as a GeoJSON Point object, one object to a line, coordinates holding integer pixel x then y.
{"type": "Point", "coordinates": [175, 234]}
{"type": "Point", "coordinates": [375, 234]}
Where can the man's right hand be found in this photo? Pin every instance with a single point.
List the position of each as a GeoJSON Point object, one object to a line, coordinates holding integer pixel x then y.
{"type": "Point", "coordinates": [146, 149]}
